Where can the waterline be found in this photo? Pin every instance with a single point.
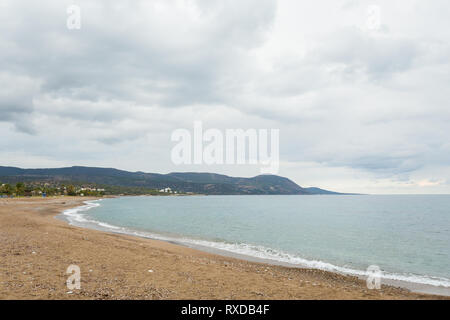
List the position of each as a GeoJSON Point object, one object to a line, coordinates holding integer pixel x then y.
{"type": "Point", "coordinates": [79, 217]}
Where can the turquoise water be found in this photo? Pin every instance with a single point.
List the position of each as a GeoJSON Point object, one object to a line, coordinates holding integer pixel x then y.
{"type": "Point", "coordinates": [407, 236]}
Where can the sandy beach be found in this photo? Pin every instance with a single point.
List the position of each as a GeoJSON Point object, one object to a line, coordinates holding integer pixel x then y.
{"type": "Point", "coordinates": [36, 250]}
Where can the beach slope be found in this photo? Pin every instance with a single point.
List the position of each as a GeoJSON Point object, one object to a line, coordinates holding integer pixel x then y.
{"type": "Point", "coordinates": [36, 249]}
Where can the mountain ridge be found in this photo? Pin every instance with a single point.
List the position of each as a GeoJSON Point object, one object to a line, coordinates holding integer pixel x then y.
{"type": "Point", "coordinates": [196, 182]}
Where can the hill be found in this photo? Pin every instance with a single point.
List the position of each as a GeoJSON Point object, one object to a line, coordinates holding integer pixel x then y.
{"type": "Point", "coordinates": [205, 183]}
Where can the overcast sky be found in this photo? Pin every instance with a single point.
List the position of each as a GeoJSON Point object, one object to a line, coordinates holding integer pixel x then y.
{"type": "Point", "coordinates": [361, 107]}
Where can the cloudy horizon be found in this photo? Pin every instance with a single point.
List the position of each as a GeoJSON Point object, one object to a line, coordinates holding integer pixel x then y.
{"type": "Point", "coordinates": [360, 97]}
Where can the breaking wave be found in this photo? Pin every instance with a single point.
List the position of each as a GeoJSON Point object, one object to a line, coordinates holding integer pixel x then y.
{"type": "Point", "coordinates": [77, 216]}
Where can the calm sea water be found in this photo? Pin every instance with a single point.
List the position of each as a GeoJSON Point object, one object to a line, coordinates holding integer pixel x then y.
{"type": "Point", "coordinates": [407, 236]}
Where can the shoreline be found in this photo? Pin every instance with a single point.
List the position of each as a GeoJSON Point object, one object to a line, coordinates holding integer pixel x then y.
{"type": "Point", "coordinates": [104, 227]}
{"type": "Point", "coordinates": [101, 226]}
{"type": "Point", "coordinates": [121, 266]}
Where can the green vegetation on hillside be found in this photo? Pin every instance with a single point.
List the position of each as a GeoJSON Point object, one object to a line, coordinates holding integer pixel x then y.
{"type": "Point", "coordinates": [116, 181]}
{"type": "Point", "coordinates": [53, 188]}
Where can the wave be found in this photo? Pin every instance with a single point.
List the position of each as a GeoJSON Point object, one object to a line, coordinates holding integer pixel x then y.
{"type": "Point", "coordinates": [77, 216]}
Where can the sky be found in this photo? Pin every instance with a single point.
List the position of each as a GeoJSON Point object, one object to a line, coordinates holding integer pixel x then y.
{"type": "Point", "coordinates": [359, 90]}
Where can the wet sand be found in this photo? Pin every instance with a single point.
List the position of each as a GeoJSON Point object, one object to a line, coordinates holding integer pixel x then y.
{"type": "Point", "coordinates": [36, 250]}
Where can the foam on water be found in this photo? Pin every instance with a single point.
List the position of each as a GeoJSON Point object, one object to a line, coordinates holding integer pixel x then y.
{"type": "Point", "coordinates": [77, 216]}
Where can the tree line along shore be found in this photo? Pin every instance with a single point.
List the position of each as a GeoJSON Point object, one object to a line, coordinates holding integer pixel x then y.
{"type": "Point", "coordinates": [45, 189]}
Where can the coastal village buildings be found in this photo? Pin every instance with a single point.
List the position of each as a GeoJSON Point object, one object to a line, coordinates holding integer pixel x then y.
{"type": "Point", "coordinates": [167, 190]}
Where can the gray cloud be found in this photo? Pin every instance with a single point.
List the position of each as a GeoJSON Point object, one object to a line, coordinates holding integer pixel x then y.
{"type": "Point", "coordinates": [377, 56]}
{"type": "Point", "coordinates": [344, 97]}
{"type": "Point", "coordinates": [144, 58]}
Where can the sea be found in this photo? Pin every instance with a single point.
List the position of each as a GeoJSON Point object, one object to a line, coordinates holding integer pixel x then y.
{"type": "Point", "coordinates": [405, 237]}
